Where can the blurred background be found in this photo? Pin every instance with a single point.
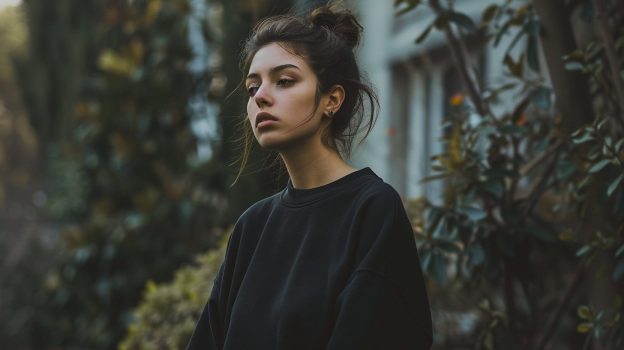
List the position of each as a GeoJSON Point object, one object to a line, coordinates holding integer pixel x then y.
{"type": "Point", "coordinates": [501, 125]}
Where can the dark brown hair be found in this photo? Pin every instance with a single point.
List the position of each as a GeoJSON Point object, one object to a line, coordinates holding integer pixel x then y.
{"type": "Point", "coordinates": [325, 39]}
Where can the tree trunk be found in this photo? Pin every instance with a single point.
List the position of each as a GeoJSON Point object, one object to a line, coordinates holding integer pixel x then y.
{"type": "Point", "coordinates": [570, 87]}
{"type": "Point", "coordinates": [574, 103]}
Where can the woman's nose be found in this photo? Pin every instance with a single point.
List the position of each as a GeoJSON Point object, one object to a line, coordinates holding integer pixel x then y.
{"type": "Point", "coordinates": [262, 96]}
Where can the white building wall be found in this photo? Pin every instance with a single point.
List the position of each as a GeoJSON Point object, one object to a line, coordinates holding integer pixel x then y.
{"type": "Point", "coordinates": [416, 159]}
{"type": "Point", "coordinates": [389, 43]}
{"type": "Point", "coordinates": [376, 17]}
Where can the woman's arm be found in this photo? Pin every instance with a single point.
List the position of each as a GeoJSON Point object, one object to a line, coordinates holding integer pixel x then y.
{"type": "Point", "coordinates": [374, 314]}
{"type": "Point", "coordinates": [384, 304]}
{"type": "Point", "coordinates": [208, 334]}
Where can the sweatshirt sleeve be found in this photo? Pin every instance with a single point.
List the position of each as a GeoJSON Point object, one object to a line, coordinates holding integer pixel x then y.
{"type": "Point", "coordinates": [208, 334]}
{"type": "Point", "coordinates": [384, 304]}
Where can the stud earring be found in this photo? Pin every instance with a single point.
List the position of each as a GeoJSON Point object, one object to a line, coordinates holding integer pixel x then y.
{"type": "Point", "coordinates": [330, 113]}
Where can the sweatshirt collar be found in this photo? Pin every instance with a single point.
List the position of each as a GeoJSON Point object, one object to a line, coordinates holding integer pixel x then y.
{"type": "Point", "coordinates": [294, 197]}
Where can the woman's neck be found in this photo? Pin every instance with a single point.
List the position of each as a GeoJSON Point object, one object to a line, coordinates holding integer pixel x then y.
{"type": "Point", "coordinates": [314, 166]}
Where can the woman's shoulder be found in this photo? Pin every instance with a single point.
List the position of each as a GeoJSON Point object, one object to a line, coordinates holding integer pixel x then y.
{"type": "Point", "coordinates": [379, 191]}
{"type": "Point", "coordinates": [259, 208]}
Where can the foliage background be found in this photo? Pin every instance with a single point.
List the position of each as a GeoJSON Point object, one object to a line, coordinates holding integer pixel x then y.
{"type": "Point", "coordinates": [105, 188]}
{"type": "Point", "coordinates": [531, 226]}
{"type": "Point", "coordinates": [104, 193]}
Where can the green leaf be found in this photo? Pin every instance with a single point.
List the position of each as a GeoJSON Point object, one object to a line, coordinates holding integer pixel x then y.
{"type": "Point", "coordinates": [521, 33]}
{"type": "Point", "coordinates": [608, 141]}
{"type": "Point", "coordinates": [593, 155]}
{"type": "Point", "coordinates": [584, 138]}
{"type": "Point", "coordinates": [620, 251]}
{"type": "Point", "coordinates": [541, 98]}
{"type": "Point", "coordinates": [488, 13]}
{"type": "Point", "coordinates": [441, 21]}
{"type": "Point", "coordinates": [539, 233]}
{"type": "Point", "coordinates": [485, 305]}
{"type": "Point", "coordinates": [584, 250]}
{"type": "Point", "coordinates": [618, 272]}
{"type": "Point", "coordinates": [476, 254]}
{"type": "Point", "coordinates": [532, 54]}
{"type": "Point", "coordinates": [614, 184]}
{"type": "Point", "coordinates": [410, 5]}
{"type": "Point", "coordinates": [599, 166]}
{"type": "Point", "coordinates": [584, 327]}
{"type": "Point", "coordinates": [499, 173]}
{"type": "Point", "coordinates": [424, 34]}
{"type": "Point", "coordinates": [495, 188]}
{"type": "Point", "coordinates": [584, 182]}
{"type": "Point", "coordinates": [447, 246]}
{"type": "Point", "coordinates": [599, 332]}
{"type": "Point", "coordinates": [541, 145]}
{"type": "Point", "coordinates": [438, 268]}
{"type": "Point", "coordinates": [426, 260]}
{"type": "Point", "coordinates": [510, 129]}
{"type": "Point", "coordinates": [462, 20]}
{"type": "Point", "coordinates": [601, 124]}
{"type": "Point", "coordinates": [576, 55]}
{"type": "Point", "coordinates": [134, 220]}
{"type": "Point", "coordinates": [434, 177]}
{"type": "Point", "coordinates": [488, 343]}
{"type": "Point", "coordinates": [584, 312]}
{"type": "Point", "coordinates": [618, 146]}
{"type": "Point", "coordinates": [433, 215]}
{"type": "Point", "coordinates": [504, 29]}
{"type": "Point", "coordinates": [474, 214]}
{"type": "Point", "coordinates": [82, 254]}
{"type": "Point", "coordinates": [515, 68]}
{"type": "Point", "coordinates": [572, 66]}
{"type": "Point", "coordinates": [520, 108]}
{"type": "Point", "coordinates": [565, 169]}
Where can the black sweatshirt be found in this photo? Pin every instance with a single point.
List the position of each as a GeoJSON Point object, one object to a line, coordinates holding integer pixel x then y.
{"type": "Point", "coordinates": [332, 267]}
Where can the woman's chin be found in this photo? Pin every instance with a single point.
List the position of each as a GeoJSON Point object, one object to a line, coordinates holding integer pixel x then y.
{"type": "Point", "coordinates": [270, 143]}
{"type": "Point", "coordinates": [279, 142]}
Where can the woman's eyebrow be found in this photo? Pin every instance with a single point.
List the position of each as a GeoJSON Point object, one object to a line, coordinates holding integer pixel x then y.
{"type": "Point", "coordinates": [273, 70]}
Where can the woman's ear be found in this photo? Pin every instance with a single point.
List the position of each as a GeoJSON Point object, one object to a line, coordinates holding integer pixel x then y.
{"type": "Point", "coordinates": [335, 97]}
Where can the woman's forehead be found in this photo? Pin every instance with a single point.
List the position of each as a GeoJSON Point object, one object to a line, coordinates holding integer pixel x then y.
{"type": "Point", "coordinates": [275, 55]}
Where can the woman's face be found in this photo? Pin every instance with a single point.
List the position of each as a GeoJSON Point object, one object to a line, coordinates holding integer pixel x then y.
{"type": "Point", "coordinates": [282, 89]}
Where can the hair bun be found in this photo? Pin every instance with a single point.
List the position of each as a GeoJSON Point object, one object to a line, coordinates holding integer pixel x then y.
{"type": "Point", "coordinates": [340, 22]}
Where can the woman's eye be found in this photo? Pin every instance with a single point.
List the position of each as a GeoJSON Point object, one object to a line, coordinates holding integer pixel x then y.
{"type": "Point", "coordinates": [285, 82]}
{"type": "Point", "coordinates": [251, 90]}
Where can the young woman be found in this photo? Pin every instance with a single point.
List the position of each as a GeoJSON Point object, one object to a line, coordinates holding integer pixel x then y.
{"type": "Point", "coordinates": [330, 261]}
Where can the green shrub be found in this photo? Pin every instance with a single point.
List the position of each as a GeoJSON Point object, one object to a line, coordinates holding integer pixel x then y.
{"type": "Point", "coordinates": [167, 314]}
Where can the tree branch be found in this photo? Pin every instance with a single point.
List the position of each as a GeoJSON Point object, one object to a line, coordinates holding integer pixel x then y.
{"type": "Point", "coordinates": [609, 45]}
{"type": "Point", "coordinates": [510, 297]}
{"type": "Point", "coordinates": [550, 327]}
{"type": "Point", "coordinates": [536, 192]}
{"type": "Point", "coordinates": [461, 64]}
{"type": "Point", "coordinates": [531, 164]}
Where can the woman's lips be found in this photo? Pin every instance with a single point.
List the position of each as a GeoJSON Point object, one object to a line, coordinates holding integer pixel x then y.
{"type": "Point", "coordinates": [265, 123]}
{"type": "Point", "coordinates": [264, 119]}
